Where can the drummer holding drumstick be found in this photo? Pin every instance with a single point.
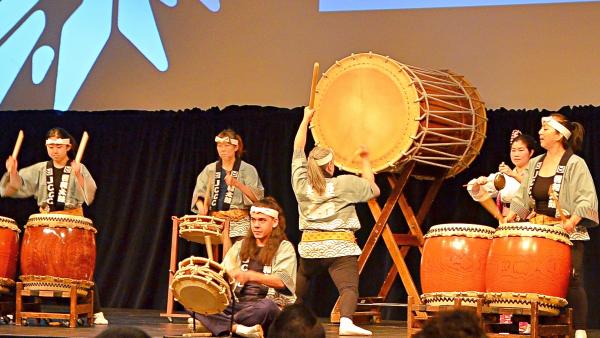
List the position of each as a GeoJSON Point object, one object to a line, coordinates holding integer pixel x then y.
{"type": "Point", "coordinates": [228, 187]}
{"type": "Point", "coordinates": [60, 185]}
{"type": "Point", "coordinates": [569, 177]}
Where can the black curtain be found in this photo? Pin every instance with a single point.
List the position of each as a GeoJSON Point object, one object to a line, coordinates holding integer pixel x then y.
{"type": "Point", "coordinates": [146, 163]}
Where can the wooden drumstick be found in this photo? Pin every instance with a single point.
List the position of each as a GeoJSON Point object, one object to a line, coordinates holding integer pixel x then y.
{"type": "Point", "coordinates": [313, 85]}
{"type": "Point", "coordinates": [82, 144]}
{"type": "Point", "coordinates": [552, 195]}
{"type": "Point", "coordinates": [208, 244]}
{"type": "Point", "coordinates": [492, 208]}
{"type": "Point", "coordinates": [18, 144]}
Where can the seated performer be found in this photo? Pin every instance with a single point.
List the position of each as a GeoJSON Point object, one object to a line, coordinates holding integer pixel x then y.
{"type": "Point", "coordinates": [522, 147]}
{"type": "Point", "coordinates": [328, 221]}
{"type": "Point", "coordinates": [60, 185]}
{"type": "Point", "coordinates": [228, 187]}
{"type": "Point", "coordinates": [263, 265]}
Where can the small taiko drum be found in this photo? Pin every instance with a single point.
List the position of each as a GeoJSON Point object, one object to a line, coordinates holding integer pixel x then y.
{"type": "Point", "coordinates": [529, 262]}
{"type": "Point", "coordinates": [453, 263]}
{"type": "Point", "coordinates": [202, 285]}
{"type": "Point", "coordinates": [9, 250]}
{"type": "Point", "coordinates": [195, 228]}
{"type": "Point", "coordinates": [58, 251]}
{"type": "Point", "coordinates": [402, 113]}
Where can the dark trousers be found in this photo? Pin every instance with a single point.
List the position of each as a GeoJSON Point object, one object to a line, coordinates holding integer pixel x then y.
{"type": "Point", "coordinates": [344, 272]}
{"type": "Point", "coordinates": [247, 313]}
{"type": "Point", "coordinates": [576, 296]}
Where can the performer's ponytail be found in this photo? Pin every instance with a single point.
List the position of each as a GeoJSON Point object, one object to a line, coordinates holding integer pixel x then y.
{"type": "Point", "coordinates": [316, 174]}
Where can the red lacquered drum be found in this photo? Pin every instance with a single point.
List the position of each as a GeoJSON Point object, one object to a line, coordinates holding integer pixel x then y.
{"type": "Point", "coordinates": [57, 251]}
{"type": "Point", "coordinates": [453, 263]}
{"type": "Point", "coordinates": [529, 262]}
{"type": "Point", "coordinates": [9, 249]}
{"type": "Point", "coordinates": [202, 285]}
{"type": "Point", "coordinates": [196, 228]}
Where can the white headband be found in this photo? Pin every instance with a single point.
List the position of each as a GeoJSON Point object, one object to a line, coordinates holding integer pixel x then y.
{"type": "Point", "coordinates": [267, 211]}
{"type": "Point", "coordinates": [58, 141]}
{"type": "Point", "coordinates": [324, 160]}
{"type": "Point", "coordinates": [226, 139]}
{"type": "Point", "coordinates": [557, 125]}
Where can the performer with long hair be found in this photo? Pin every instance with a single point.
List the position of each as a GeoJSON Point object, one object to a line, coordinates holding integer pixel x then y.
{"type": "Point", "coordinates": [228, 187]}
{"type": "Point", "coordinates": [263, 265]}
{"type": "Point", "coordinates": [328, 221]}
{"type": "Point", "coordinates": [570, 179]}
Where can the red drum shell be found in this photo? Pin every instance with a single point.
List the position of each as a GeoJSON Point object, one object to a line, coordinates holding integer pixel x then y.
{"type": "Point", "coordinates": [525, 262]}
{"type": "Point", "coordinates": [9, 248]}
{"type": "Point", "coordinates": [66, 252]}
{"type": "Point", "coordinates": [454, 259]}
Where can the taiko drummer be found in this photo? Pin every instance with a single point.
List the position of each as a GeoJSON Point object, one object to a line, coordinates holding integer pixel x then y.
{"type": "Point", "coordinates": [228, 187]}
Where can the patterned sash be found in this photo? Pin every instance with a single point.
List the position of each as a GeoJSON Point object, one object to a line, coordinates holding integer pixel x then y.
{"type": "Point", "coordinates": [558, 177]}
{"type": "Point", "coordinates": [217, 186]}
{"type": "Point", "coordinates": [63, 187]}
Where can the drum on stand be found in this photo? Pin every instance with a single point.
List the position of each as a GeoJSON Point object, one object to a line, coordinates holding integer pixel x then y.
{"type": "Point", "coordinates": [529, 262]}
{"type": "Point", "coordinates": [57, 251]}
{"type": "Point", "coordinates": [202, 285]}
{"type": "Point", "coordinates": [195, 228]}
{"type": "Point", "coordinates": [9, 251]}
{"type": "Point", "coordinates": [454, 263]}
{"type": "Point", "coordinates": [401, 113]}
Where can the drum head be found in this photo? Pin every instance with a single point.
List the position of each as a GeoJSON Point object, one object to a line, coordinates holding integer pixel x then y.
{"type": "Point", "coordinates": [199, 297]}
{"type": "Point", "coordinates": [366, 99]}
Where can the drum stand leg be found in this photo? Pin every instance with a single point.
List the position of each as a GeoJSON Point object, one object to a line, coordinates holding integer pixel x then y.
{"type": "Point", "coordinates": [172, 268]}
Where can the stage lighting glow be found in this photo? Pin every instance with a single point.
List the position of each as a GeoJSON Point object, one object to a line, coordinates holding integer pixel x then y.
{"type": "Point", "coordinates": [368, 5]}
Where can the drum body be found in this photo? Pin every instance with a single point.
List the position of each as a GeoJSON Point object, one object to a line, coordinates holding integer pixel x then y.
{"type": "Point", "coordinates": [528, 262]}
{"type": "Point", "coordinates": [9, 250]}
{"type": "Point", "coordinates": [195, 228]}
{"type": "Point", "coordinates": [453, 263]}
{"type": "Point", "coordinates": [401, 113]}
{"type": "Point", "coordinates": [57, 251]}
{"type": "Point", "coordinates": [202, 285]}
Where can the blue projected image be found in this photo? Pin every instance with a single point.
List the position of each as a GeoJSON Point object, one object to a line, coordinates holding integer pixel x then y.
{"type": "Point", "coordinates": [366, 5]}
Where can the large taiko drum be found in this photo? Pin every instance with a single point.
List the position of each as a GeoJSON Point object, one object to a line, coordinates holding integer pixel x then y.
{"type": "Point", "coordinates": [202, 285]}
{"type": "Point", "coordinates": [529, 262]}
{"type": "Point", "coordinates": [195, 228]}
{"type": "Point", "coordinates": [9, 250]}
{"type": "Point", "coordinates": [58, 251]}
{"type": "Point", "coordinates": [401, 113]}
{"type": "Point", "coordinates": [453, 263]}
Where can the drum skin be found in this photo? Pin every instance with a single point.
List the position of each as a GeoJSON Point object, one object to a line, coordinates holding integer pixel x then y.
{"type": "Point", "coordinates": [525, 262]}
{"type": "Point", "coordinates": [454, 259]}
{"type": "Point", "coordinates": [65, 252]}
{"type": "Point", "coordinates": [9, 248]}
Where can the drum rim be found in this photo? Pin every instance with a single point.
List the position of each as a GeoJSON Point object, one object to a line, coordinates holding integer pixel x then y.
{"type": "Point", "coordinates": [60, 221]}
{"type": "Point", "coordinates": [550, 232]}
{"type": "Point", "coordinates": [460, 229]}
{"type": "Point", "coordinates": [9, 223]}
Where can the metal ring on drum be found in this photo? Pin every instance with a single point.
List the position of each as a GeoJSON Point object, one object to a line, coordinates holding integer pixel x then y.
{"type": "Point", "coordinates": [9, 251]}
{"type": "Point", "coordinates": [529, 262]}
{"type": "Point", "coordinates": [202, 285]}
{"type": "Point", "coordinates": [58, 250]}
{"type": "Point", "coordinates": [195, 228]}
{"type": "Point", "coordinates": [453, 263]}
{"type": "Point", "coordinates": [401, 113]}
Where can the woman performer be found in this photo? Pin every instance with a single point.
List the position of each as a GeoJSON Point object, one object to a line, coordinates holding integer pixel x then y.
{"type": "Point", "coordinates": [328, 221]}
{"type": "Point", "coordinates": [263, 265]}
{"type": "Point", "coordinates": [522, 147]}
{"type": "Point", "coordinates": [232, 185]}
{"type": "Point", "coordinates": [44, 181]}
{"type": "Point", "coordinates": [570, 179]}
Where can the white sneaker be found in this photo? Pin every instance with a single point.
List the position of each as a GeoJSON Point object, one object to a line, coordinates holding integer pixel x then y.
{"type": "Point", "coordinates": [255, 331]}
{"type": "Point", "coordinates": [580, 334]}
{"type": "Point", "coordinates": [99, 319]}
{"type": "Point", "coordinates": [347, 328]}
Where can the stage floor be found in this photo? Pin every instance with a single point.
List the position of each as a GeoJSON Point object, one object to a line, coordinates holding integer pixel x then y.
{"type": "Point", "coordinates": [156, 326]}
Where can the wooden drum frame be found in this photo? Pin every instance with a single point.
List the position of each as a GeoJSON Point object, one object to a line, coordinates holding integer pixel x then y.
{"type": "Point", "coordinates": [58, 251]}
{"type": "Point", "coordinates": [401, 113]}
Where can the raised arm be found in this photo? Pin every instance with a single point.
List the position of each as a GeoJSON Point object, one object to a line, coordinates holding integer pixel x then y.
{"type": "Point", "coordinates": [300, 139]}
{"type": "Point", "coordinates": [367, 171]}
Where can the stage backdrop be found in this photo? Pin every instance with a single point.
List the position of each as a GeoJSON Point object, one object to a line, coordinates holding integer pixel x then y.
{"type": "Point", "coordinates": [146, 163]}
